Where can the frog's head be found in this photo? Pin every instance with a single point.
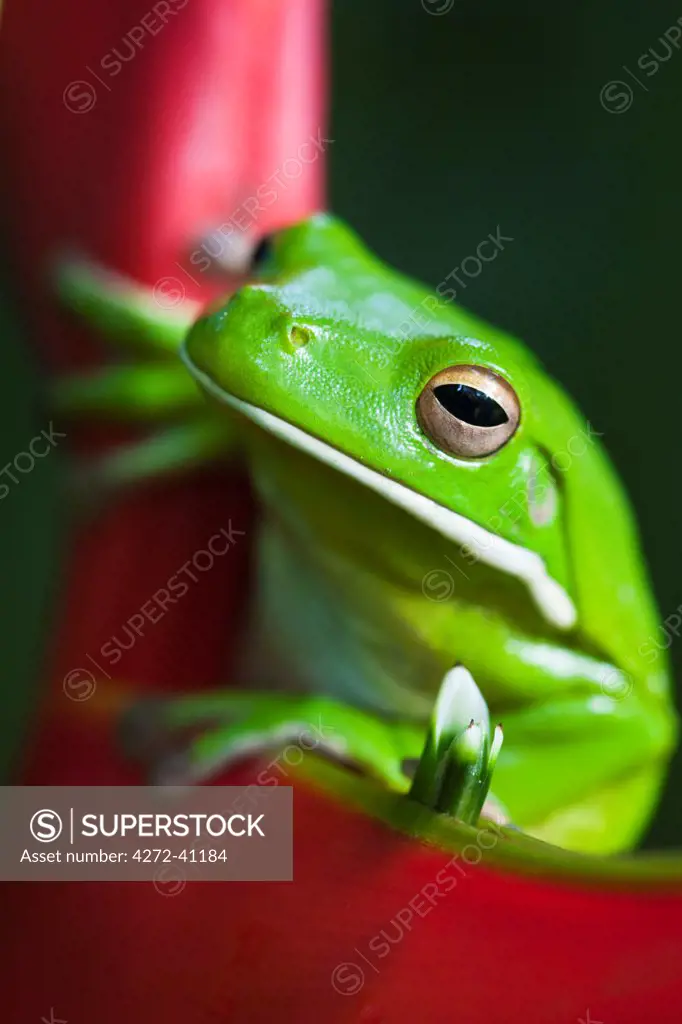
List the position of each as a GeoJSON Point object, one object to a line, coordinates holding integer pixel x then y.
{"type": "Point", "coordinates": [443, 415]}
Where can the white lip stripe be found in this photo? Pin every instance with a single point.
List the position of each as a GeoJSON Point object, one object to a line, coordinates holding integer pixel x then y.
{"type": "Point", "coordinates": [527, 566]}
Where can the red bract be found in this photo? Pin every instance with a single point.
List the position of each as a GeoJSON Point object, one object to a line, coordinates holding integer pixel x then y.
{"type": "Point", "coordinates": [377, 927]}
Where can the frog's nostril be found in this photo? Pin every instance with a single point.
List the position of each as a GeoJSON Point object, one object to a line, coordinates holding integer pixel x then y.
{"type": "Point", "coordinates": [299, 336]}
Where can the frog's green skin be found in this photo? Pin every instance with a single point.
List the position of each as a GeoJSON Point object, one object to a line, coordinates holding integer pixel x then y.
{"type": "Point", "coordinates": [383, 560]}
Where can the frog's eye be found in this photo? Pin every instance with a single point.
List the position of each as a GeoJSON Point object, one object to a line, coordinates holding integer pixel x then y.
{"type": "Point", "coordinates": [261, 254]}
{"type": "Point", "coordinates": [468, 411]}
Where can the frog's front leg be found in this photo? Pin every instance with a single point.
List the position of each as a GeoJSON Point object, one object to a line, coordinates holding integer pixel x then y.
{"type": "Point", "coordinates": [237, 724]}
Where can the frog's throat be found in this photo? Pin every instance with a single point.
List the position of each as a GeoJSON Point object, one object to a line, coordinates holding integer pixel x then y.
{"type": "Point", "coordinates": [549, 596]}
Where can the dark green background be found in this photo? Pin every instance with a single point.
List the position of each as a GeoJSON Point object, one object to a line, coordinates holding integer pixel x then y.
{"type": "Point", "coordinates": [446, 127]}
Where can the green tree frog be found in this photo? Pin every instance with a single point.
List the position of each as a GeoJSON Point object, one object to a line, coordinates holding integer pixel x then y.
{"type": "Point", "coordinates": [430, 498]}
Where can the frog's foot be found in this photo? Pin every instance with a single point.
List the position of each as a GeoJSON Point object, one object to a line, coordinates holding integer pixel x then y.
{"type": "Point", "coordinates": [229, 726]}
{"type": "Point", "coordinates": [163, 393]}
{"type": "Point", "coordinates": [150, 384]}
{"type": "Point", "coordinates": [153, 389]}
{"type": "Point", "coordinates": [142, 392]}
{"type": "Point", "coordinates": [162, 454]}
{"type": "Point", "coordinates": [149, 322]}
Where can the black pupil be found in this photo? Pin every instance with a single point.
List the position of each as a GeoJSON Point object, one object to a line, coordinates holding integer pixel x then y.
{"type": "Point", "coordinates": [471, 405]}
{"type": "Point", "coordinates": [261, 253]}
